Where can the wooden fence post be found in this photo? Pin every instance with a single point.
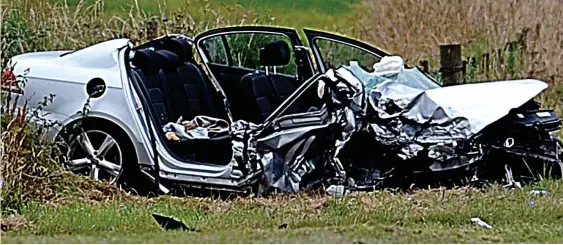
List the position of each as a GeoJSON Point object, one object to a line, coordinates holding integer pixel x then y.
{"type": "Point", "coordinates": [485, 64]}
{"type": "Point", "coordinates": [451, 65]}
{"type": "Point", "coordinates": [424, 66]}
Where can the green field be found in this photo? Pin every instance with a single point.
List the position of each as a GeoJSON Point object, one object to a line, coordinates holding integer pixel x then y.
{"type": "Point", "coordinates": [301, 13]}
{"type": "Point", "coordinates": [427, 216]}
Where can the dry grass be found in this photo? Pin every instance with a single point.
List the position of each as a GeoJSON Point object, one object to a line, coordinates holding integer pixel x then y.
{"type": "Point", "coordinates": [415, 28]}
{"type": "Point", "coordinates": [12, 223]}
{"type": "Point", "coordinates": [35, 25]}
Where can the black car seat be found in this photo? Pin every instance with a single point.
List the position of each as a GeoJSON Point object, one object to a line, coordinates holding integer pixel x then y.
{"type": "Point", "coordinates": [148, 70]}
{"type": "Point", "coordinates": [262, 93]}
{"type": "Point", "coordinates": [191, 81]}
{"type": "Point", "coordinates": [258, 97]}
{"type": "Point", "coordinates": [190, 96]}
{"type": "Point", "coordinates": [278, 53]}
{"type": "Point", "coordinates": [179, 102]}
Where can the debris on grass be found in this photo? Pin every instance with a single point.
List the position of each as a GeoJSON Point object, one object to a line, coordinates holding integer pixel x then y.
{"type": "Point", "coordinates": [481, 223]}
{"type": "Point", "coordinates": [539, 193]}
{"type": "Point", "coordinates": [337, 190]}
{"type": "Point", "coordinates": [168, 223]}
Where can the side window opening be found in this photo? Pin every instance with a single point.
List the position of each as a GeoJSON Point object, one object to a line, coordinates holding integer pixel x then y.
{"type": "Point", "coordinates": [255, 82]}
{"type": "Point", "coordinates": [243, 50]}
{"type": "Point", "coordinates": [215, 50]}
{"type": "Point", "coordinates": [336, 54]}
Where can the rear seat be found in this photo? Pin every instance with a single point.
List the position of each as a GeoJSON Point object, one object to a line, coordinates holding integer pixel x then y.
{"type": "Point", "coordinates": [189, 84]}
{"type": "Point", "coordinates": [188, 97]}
{"type": "Point", "coordinates": [262, 93]}
{"type": "Point", "coordinates": [148, 70]}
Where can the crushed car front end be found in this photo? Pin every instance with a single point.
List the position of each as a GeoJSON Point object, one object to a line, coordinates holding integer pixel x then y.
{"type": "Point", "coordinates": [416, 132]}
{"type": "Point", "coordinates": [403, 129]}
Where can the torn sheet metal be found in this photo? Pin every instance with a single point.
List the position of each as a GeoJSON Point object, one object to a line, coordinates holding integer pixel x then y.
{"type": "Point", "coordinates": [440, 114]}
{"type": "Point", "coordinates": [480, 104]}
{"type": "Point", "coordinates": [407, 113]}
{"type": "Point", "coordinates": [287, 156]}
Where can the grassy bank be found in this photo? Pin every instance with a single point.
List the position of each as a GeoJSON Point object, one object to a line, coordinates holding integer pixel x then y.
{"type": "Point", "coordinates": [428, 216]}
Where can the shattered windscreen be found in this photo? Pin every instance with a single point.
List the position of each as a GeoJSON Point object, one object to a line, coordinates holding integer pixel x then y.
{"type": "Point", "coordinates": [411, 77]}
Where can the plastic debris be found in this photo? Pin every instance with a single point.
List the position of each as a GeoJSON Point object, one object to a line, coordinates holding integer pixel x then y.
{"type": "Point", "coordinates": [532, 203]}
{"type": "Point", "coordinates": [481, 223]}
{"type": "Point", "coordinates": [539, 193]}
{"type": "Point", "coordinates": [410, 198]}
{"type": "Point", "coordinates": [337, 190]}
{"type": "Point", "coordinates": [168, 223]}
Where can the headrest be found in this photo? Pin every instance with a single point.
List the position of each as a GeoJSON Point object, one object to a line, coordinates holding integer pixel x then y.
{"type": "Point", "coordinates": [168, 60]}
{"type": "Point", "coordinates": [146, 60]}
{"type": "Point", "coordinates": [277, 53]}
{"type": "Point", "coordinates": [180, 47]}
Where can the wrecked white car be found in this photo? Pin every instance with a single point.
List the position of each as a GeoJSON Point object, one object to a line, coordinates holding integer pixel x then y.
{"type": "Point", "coordinates": [250, 111]}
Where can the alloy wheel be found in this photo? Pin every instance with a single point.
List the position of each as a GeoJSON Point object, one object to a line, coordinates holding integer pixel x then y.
{"type": "Point", "coordinates": [96, 154]}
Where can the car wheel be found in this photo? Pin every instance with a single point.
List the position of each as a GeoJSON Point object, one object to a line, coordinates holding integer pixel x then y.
{"type": "Point", "coordinates": [101, 151]}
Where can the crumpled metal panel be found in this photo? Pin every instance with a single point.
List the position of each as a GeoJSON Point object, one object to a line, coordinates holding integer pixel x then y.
{"type": "Point", "coordinates": [480, 103]}
{"type": "Point", "coordinates": [414, 115]}
{"type": "Point", "coordinates": [413, 110]}
{"type": "Point", "coordinates": [413, 96]}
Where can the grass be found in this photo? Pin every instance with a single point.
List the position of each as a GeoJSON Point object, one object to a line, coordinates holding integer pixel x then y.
{"type": "Point", "coordinates": [430, 216]}
{"type": "Point", "coordinates": [312, 13]}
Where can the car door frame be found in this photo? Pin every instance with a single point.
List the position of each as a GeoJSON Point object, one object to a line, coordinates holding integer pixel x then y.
{"type": "Point", "coordinates": [313, 35]}
{"type": "Point", "coordinates": [291, 34]}
{"type": "Point", "coordinates": [166, 165]}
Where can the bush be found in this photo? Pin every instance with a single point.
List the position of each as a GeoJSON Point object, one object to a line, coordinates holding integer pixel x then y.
{"type": "Point", "coordinates": [31, 167]}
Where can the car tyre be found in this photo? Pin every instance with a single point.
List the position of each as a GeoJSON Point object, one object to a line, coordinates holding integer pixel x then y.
{"type": "Point", "coordinates": [101, 151]}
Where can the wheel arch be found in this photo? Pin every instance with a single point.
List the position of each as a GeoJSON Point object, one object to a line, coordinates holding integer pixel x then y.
{"type": "Point", "coordinates": [104, 120]}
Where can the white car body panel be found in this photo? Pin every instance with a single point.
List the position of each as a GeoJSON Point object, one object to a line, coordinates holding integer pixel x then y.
{"type": "Point", "coordinates": [66, 77]}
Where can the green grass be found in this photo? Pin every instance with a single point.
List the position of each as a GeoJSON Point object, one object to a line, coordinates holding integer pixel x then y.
{"type": "Point", "coordinates": [432, 216]}
{"type": "Point", "coordinates": [293, 13]}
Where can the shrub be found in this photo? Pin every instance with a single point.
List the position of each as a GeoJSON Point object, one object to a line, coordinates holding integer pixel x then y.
{"type": "Point", "coordinates": [31, 167]}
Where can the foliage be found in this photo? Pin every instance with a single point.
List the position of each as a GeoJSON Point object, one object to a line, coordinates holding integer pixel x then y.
{"type": "Point", "coordinates": [27, 167]}
{"type": "Point", "coordinates": [31, 167]}
{"type": "Point", "coordinates": [421, 216]}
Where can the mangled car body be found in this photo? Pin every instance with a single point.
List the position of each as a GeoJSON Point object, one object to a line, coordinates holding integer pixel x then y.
{"type": "Point", "coordinates": [250, 111]}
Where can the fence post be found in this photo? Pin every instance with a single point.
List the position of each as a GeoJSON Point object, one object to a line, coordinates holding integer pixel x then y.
{"type": "Point", "coordinates": [451, 65]}
{"type": "Point", "coordinates": [485, 63]}
{"type": "Point", "coordinates": [424, 66]}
